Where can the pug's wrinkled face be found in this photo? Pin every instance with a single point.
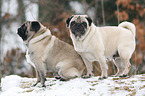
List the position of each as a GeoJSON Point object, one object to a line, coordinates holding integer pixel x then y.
{"type": "Point", "coordinates": [79, 25]}
{"type": "Point", "coordinates": [27, 29]}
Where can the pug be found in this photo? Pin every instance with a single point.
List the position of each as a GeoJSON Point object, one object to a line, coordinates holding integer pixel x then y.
{"type": "Point", "coordinates": [46, 53]}
{"type": "Point", "coordinates": [100, 43]}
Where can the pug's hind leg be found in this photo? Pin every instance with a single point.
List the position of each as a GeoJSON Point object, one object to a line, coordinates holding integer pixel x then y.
{"type": "Point", "coordinates": [119, 65]}
{"type": "Point", "coordinates": [69, 73]}
{"type": "Point", "coordinates": [125, 55]}
{"type": "Point", "coordinates": [56, 76]}
{"type": "Point", "coordinates": [127, 66]}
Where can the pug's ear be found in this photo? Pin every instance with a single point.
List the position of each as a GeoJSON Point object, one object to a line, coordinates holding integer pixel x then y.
{"type": "Point", "coordinates": [89, 20]}
{"type": "Point", "coordinates": [68, 20]}
{"type": "Point", "coordinates": [35, 26]}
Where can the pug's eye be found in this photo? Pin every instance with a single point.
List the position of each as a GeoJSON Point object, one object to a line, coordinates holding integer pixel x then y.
{"type": "Point", "coordinates": [72, 23]}
{"type": "Point", "coordinates": [84, 24]}
{"type": "Point", "coordinates": [24, 28]}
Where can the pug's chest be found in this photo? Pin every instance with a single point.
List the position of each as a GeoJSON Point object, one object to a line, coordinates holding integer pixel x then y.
{"type": "Point", "coordinates": [89, 56]}
{"type": "Point", "coordinates": [28, 58]}
{"type": "Point", "coordinates": [85, 51]}
{"type": "Point", "coordinates": [80, 47]}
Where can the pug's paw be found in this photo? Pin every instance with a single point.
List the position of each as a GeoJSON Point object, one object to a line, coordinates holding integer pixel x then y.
{"type": "Point", "coordinates": [102, 78]}
{"type": "Point", "coordinates": [88, 75]}
{"type": "Point", "coordinates": [123, 75]}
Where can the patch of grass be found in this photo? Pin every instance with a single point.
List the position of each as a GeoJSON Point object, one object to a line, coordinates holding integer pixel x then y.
{"type": "Point", "coordinates": [26, 84]}
{"type": "Point", "coordinates": [29, 90]}
{"type": "Point", "coordinates": [92, 89]}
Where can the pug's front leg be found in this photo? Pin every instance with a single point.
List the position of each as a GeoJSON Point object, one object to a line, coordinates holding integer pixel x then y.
{"type": "Point", "coordinates": [41, 71]}
{"type": "Point", "coordinates": [43, 79]}
{"type": "Point", "coordinates": [38, 77]}
{"type": "Point", "coordinates": [89, 68]}
{"type": "Point", "coordinates": [104, 67]}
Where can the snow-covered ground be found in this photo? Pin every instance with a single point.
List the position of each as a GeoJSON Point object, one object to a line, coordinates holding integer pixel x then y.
{"type": "Point", "coordinates": [14, 85]}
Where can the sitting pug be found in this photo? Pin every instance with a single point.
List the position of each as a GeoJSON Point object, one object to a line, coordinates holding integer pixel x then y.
{"type": "Point", "coordinates": [47, 53]}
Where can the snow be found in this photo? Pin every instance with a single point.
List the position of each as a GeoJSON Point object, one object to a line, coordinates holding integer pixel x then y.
{"type": "Point", "coordinates": [113, 86]}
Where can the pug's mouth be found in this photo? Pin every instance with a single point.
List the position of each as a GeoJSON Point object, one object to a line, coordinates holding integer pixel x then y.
{"type": "Point", "coordinates": [78, 29]}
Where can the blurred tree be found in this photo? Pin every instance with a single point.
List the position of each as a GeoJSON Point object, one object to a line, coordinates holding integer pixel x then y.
{"type": "Point", "coordinates": [21, 10]}
{"type": "Point", "coordinates": [0, 44]}
{"type": "Point", "coordinates": [50, 10]}
{"type": "Point", "coordinates": [12, 60]}
{"type": "Point", "coordinates": [102, 10]}
{"type": "Point", "coordinates": [53, 14]}
{"type": "Point", "coordinates": [134, 11]}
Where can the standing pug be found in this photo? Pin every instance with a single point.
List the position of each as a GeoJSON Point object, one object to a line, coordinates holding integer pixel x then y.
{"type": "Point", "coordinates": [47, 53]}
{"type": "Point", "coordinates": [98, 43]}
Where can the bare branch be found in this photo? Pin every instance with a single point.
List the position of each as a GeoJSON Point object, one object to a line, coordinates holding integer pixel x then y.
{"type": "Point", "coordinates": [103, 13]}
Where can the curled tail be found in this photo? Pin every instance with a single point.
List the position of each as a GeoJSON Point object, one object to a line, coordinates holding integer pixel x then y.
{"type": "Point", "coordinates": [129, 26]}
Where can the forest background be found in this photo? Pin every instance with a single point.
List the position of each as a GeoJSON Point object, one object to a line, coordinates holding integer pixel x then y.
{"type": "Point", "coordinates": [53, 14]}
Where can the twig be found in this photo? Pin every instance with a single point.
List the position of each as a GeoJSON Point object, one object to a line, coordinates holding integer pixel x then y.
{"type": "Point", "coordinates": [118, 14]}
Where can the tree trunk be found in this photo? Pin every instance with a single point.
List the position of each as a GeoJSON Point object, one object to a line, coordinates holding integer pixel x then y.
{"type": "Point", "coordinates": [103, 13]}
{"type": "Point", "coordinates": [21, 10]}
{"type": "Point", "coordinates": [0, 42]}
{"type": "Point", "coordinates": [96, 19]}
